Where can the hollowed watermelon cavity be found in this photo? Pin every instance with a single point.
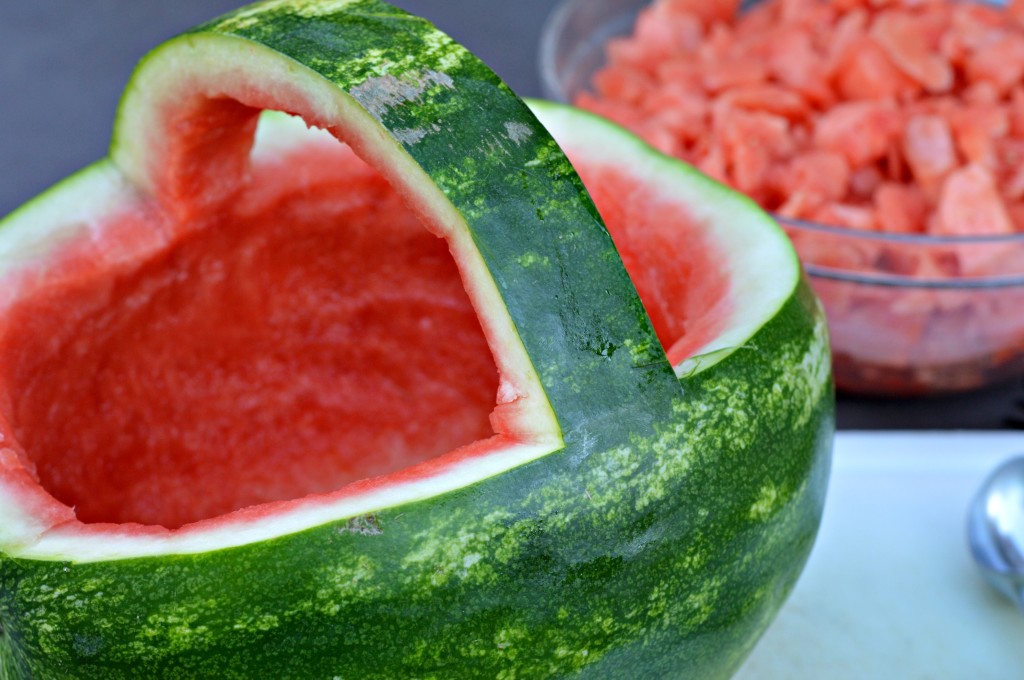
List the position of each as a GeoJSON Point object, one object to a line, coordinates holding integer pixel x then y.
{"type": "Point", "coordinates": [308, 334]}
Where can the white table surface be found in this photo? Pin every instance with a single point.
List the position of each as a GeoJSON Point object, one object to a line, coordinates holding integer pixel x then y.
{"type": "Point", "coordinates": [890, 590]}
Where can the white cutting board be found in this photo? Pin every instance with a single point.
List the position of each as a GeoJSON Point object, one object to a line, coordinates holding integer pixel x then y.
{"type": "Point", "coordinates": [890, 590]}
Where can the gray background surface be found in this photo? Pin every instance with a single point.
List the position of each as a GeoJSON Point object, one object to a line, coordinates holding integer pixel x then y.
{"type": "Point", "coordinates": [63, 64]}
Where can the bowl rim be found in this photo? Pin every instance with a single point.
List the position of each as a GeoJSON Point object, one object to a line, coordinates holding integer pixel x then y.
{"type": "Point", "coordinates": [550, 38]}
{"type": "Point", "coordinates": [898, 237]}
{"type": "Point", "coordinates": [879, 278]}
{"type": "Point", "coordinates": [549, 34]}
{"type": "Point", "coordinates": [884, 280]}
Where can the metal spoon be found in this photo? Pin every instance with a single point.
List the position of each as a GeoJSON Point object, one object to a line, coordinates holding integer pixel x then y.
{"type": "Point", "coordinates": [995, 529]}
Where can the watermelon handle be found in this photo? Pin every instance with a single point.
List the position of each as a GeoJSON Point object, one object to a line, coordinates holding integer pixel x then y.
{"type": "Point", "coordinates": [481, 178]}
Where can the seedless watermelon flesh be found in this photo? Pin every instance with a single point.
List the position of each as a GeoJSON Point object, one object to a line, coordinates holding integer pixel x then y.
{"type": "Point", "coordinates": [314, 336]}
{"type": "Point", "coordinates": [258, 418]}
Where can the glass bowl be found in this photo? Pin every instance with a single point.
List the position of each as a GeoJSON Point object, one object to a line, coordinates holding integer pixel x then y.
{"type": "Point", "coordinates": [894, 333]}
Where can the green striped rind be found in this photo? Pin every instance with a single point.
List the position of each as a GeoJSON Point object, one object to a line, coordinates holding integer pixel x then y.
{"type": "Point", "coordinates": [664, 555]}
{"type": "Point", "coordinates": [658, 543]}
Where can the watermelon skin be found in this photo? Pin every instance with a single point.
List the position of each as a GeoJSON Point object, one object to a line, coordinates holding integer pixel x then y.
{"type": "Point", "coordinates": [657, 541]}
{"type": "Point", "coordinates": [604, 562]}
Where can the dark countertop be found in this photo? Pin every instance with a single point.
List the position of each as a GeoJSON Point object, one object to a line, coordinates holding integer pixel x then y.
{"type": "Point", "coordinates": [64, 63]}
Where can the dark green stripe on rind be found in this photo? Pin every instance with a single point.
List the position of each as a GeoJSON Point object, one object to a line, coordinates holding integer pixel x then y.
{"type": "Point", "coordinates": [556, 267]}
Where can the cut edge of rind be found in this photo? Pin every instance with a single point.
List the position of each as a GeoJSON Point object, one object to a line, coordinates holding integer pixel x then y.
{"type": "Point", "coordinates": [83, 543]}
{"type": "Point", "coordinates": [79, 202]}
{"type": "Point", "coordinates": [767, 257]}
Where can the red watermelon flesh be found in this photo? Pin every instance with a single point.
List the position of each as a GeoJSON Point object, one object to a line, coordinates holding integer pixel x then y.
{"type": "Point", "coordinates": [310, 334]}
